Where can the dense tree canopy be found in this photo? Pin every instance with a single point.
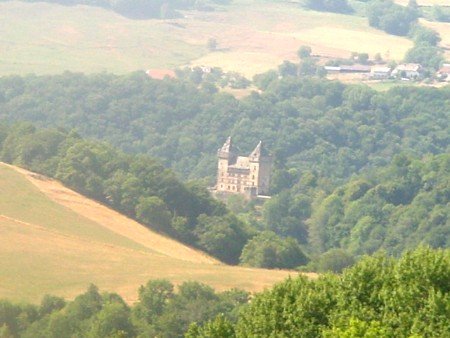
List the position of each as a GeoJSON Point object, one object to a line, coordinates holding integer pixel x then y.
{"type": "Point", "coordinates": [320, 132]}
{"type": "Point", "coordinates": [390, 17]}
{"type": "Point", "coordinates": [308, 124]}
{"type": "Point", "coordinates": [138, 186]}
{"type": "Point", "coordinates": [395, 208]}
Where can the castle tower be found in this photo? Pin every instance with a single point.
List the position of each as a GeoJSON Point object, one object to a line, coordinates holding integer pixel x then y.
{"type": "Point", "coordinates": [260, 168]}
{"type": "Point", "coordinates": [226, 157]}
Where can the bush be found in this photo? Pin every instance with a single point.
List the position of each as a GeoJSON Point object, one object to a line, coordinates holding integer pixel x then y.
{"type": "Point", "coordinates": [393, 19]}
{"type": "Point", "coordinates": [337, 6]}
{"type": "Point", "coordinates": [267, 250]}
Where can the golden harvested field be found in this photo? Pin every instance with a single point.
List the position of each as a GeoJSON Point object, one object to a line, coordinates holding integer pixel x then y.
{"type": "Point", "coordinates": [253, 36]}
{"type": "Point", "coordinates": [53, 240]}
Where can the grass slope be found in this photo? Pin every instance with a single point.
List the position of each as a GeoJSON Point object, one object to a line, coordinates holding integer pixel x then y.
{"type": "Point", "coordinates": [253, 36]}
{"type": "Point", "coordinates": [53, 240]}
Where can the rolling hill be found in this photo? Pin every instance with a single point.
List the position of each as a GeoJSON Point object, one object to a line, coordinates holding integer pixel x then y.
{"type": "Point", "coordinates": [252, 36]}
{"type": "Point", "coordinates": [53, 240]}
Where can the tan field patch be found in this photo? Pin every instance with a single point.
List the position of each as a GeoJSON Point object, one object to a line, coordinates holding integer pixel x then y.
{"type": "Point", "coordinates": [36, 261]}
{"type": "Point", "coordinates": [61, 242]}
{"type": "Point", "coordinates": [114, 221]}
{"type": "Point", "coordinates": [252, 36]}
{"type": "Point", "coordinates": [342, 40]}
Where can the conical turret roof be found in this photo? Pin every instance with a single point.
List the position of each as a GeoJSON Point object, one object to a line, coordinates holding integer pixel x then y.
{"type": "Point", "coordinates": [259, 152]}
{"type": "Point", "coordinates": [226, 149]}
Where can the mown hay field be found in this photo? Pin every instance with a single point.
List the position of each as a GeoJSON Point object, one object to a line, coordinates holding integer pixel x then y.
{"type": "Point", "coordinates": [55, 241]}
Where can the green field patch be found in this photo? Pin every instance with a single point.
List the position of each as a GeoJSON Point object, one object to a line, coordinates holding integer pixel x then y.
{"type": "Point", "coordinates": [22, 201]}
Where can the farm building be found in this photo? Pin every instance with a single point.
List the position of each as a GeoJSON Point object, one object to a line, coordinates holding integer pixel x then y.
{"type": "Point", "coordinates": [380, 72]}
{"type": "Point", "coordinates": [348, 69]}
{"type": "Point", "coordinates": [444, 73]}
{"type": "Point", "coordinates": [408, 70]}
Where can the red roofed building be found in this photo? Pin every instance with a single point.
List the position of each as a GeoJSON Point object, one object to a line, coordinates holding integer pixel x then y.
{"type": "Point", "coordinates": [444, 73]}
{"type": "Point", "coordinates": [160, 74]}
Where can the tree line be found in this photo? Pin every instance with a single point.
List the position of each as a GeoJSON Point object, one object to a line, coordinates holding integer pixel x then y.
{"type": "Point", "coordinates": [161, 311]}
{"type": "Point", "coordinates": [378, 297]}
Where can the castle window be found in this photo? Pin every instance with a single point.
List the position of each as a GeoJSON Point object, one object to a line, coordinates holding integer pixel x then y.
{"type": "Point", "coordinates": [228, 187]}
{"type": "Point", "coordinates": [253, 177]}
{"type": "Point", "coordinates": [221, 185]}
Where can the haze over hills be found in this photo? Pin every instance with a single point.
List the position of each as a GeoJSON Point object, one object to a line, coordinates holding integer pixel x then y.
{"type": "Point", "coordinates": [252, 37]}
{"type": "Point", "coordinates": [359, 180]}
{"type": "Point", "coordinates": [56, 241]}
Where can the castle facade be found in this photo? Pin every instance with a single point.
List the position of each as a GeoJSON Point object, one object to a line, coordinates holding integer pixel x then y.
{"type": "Point", "coordinates": [248, 176]}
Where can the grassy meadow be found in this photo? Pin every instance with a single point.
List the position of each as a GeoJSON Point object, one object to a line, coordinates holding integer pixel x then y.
{"type": "Point", "coordinates": [55, 241]}
{"type": "Point", "coordinates": [253, 36]}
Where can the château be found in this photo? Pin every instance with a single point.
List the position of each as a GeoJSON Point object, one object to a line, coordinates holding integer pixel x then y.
{"type": "Point", "coordinates": [246, 175]}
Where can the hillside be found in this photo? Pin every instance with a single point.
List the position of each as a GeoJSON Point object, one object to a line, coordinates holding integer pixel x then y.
{"type": "Point", "coordinates": [54, 240]}
{"type": "Point", "coordinates": [252, 37]}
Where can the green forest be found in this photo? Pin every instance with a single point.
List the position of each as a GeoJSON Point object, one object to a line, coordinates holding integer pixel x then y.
{"type": "Point", "coordinates": [378, 297]}
{"type": "Point", "coordinates": [355, 170]}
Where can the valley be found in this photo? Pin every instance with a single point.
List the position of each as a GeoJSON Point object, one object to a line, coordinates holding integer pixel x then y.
{"type": "Point", "coordinates": [55, 241]}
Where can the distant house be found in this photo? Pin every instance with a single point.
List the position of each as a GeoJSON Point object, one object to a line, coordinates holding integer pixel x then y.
{"type": "Point", "coordinates": [380, 72]}
{"type": "Point", "coordinates": [443, 74]}
{"type": "Point", "coordinates": [408, 70]}
{"type": "Point", "coordinates": [160, 74]}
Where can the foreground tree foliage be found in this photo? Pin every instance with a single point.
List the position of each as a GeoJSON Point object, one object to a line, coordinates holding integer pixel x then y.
{"type": "Point", "coordinates": [379, 297]}
{"type": "Point", "coordinates": [160, 312]}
